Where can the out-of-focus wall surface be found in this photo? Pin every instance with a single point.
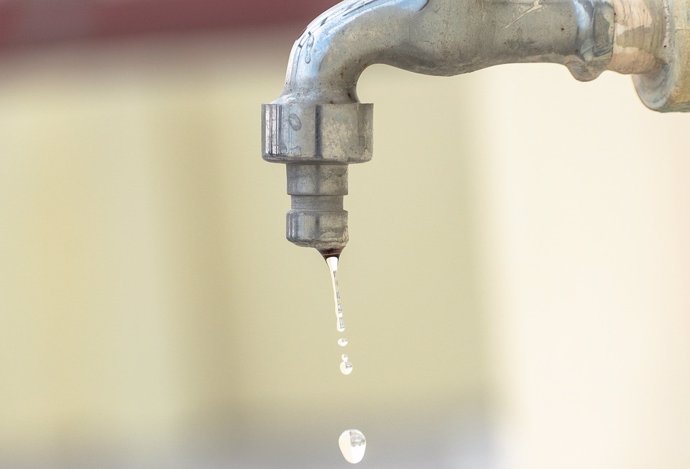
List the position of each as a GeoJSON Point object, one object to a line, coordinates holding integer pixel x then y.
{"type": "Point", "coordinates": [516, 285]}
{"type": "Point", "coordinates": [153, 314]}
{"type": "Point", "coordinates": [587, 270]}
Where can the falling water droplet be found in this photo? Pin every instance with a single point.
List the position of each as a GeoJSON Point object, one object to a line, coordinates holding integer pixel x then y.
{"type": "Point", "coordinates": [343, 342]}
{"type": "Point", "coordinates": [353, 445]}
{"type": "Point", "coordinates": [346, 368]}
{"type": "Point", "coordinates": [345, 365]}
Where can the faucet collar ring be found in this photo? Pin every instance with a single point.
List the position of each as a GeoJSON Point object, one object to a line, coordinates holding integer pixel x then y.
{"type": "Point", "coordinates": [317, 133]}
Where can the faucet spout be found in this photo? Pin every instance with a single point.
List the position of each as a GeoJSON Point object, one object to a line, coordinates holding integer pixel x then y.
{"type": "Point", "coordinates": [317, 127]}
{"type": "Point", "coordinates": [327, 60]}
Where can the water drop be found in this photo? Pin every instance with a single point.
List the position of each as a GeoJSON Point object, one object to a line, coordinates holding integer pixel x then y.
{"type": "Point", "coordinates": [346, 368]}
{"type": "Point", "coordinates": [343, 342]}
{"type": "Point", "coordinates": [353, 445]}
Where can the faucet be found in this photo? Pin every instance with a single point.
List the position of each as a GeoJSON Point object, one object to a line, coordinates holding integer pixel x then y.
{"type": "Point", "coordinates": [317, 127]}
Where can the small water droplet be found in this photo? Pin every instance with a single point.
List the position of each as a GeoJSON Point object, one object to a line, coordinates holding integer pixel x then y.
{"type": "Point", "coordinates": [346, 368]}
{"type": "Point", "coordinates": [353, 445]}
{"type": "Point", "coordinates": [343, 342]}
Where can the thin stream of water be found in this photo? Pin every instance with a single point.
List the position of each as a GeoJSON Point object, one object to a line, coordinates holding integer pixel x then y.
{"type": "Point", "coordinates": [339, 317]}
{"type": "Point", "coordinates": [352, 443]}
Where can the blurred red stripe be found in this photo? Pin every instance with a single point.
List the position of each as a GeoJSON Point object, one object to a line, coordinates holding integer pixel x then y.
{"type": "Point", "coordinates": [24, 22]}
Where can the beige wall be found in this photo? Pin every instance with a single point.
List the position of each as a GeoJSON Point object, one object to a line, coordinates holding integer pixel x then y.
{"type": "Point", "coordinates": [147, 291]}
{"type": "Point", "coordinates": [587, 271]}
{"type": "Point", "coordinates": [518, 253]}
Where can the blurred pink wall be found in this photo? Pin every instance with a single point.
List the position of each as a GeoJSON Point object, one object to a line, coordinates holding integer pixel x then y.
{"type": "Point", "coordinates": [36, 22]}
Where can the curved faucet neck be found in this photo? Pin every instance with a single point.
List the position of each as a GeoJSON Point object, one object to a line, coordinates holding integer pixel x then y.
{"type": "Point", "coordinates": [449, 37]}
{"type": "Point", "coordinates": [318, 127]}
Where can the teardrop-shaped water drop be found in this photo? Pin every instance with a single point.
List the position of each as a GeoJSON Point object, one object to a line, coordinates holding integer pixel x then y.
{"type": "Point", "coordinates": [343, 342]}
{"type": "Point", "coordinates": [346, 368]}
{"type": "Point", "coordinates": [353, 445]}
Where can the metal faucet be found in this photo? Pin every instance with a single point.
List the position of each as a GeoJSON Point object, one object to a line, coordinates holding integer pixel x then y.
{"type": "Point", "coordinates": [317, 126]}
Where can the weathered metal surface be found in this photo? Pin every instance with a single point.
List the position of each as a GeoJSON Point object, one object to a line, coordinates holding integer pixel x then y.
{"type": "Point", "coordinates": [318, 120]}
{"type": "Point", "coordinates": [667, 89]}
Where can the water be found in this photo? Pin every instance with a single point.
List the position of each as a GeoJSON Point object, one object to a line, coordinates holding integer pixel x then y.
{"type": "Point", "coordinates": [353, 445]}
{"type": "Point", "coordinates": [339, 317]}
{"type": "Point", "coordinates": [352, 442]}
{"type": "Point", "coordinates": [345, 365]}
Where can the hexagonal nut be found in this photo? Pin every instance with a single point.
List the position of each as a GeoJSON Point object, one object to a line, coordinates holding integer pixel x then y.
{"type": "Point", "coordinates": [317, 133]}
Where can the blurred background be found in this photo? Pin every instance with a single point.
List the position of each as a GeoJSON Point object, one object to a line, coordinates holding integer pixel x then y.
{"type": "Point", "coordinates": [517, 285]}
